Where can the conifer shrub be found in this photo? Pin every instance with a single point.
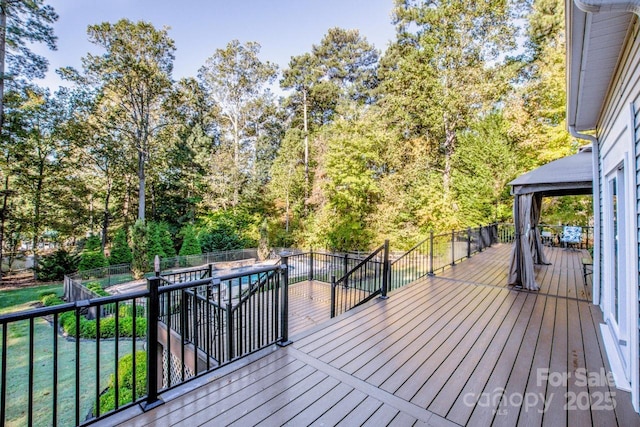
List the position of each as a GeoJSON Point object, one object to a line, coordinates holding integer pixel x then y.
{"type": "Point", "coordinates": [56, 265]}
{"type": "Point", "coordinates": [120, 250]}
{"type": "Point", "coordinates": [140, 261]}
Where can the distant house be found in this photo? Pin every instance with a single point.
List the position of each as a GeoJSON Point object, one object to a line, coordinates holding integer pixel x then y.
{"type": "Point", "coordinates": [603, 100]}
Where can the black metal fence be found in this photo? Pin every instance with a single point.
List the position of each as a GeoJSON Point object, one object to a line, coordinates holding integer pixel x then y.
{"type": "Point", "coordinates": [364, 281]}
{"type": "Point", "coordinates": [439, 251]}
{"type": "Point", "coordinates": [60, 368]}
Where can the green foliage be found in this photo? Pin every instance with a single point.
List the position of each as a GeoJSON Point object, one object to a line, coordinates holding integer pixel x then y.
{"type": "Point", "coordinates": [97, 289]}
{"type": "Point", "coordinates": [125, 382]}
{"type": "Point", "coordinates": [51, 299]}
{"type": "Point", "coordinates": [92, 243]}
{"type": "Point", "coordinates": [56, 265]}
{"type": "Point", "coordinates": [120, 251]}
{"type": "Point", "coordinates": [88, 328]}
{"type": "Point", "coordinates": [92, 259]}
{"type": "Point", "coordinates": [225, 231]}
{"type": "Point", "coordinates": [138, 236]}
{"type": "Point", "coordinates": [190, 244]}
{"type": "Point", "coordinates": [166, 240]}
{"type": "Point", "coordinates": [154, 244]}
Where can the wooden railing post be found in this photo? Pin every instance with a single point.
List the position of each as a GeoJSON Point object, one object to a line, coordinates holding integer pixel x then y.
{"type": "Point", "coordinates": [153, 311]}
{"type": "Point", "coordinates": [284, 307]}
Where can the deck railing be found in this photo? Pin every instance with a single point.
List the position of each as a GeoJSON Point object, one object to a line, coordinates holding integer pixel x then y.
{"type": "Point", "coordinates": [60, 368]}
{"type": "Point", "coordinates": [439, 251]}
{"type": "Point", "coordinates": [364, 281]}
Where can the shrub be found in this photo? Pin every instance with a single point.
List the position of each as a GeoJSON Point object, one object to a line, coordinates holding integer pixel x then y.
{"type": "Point", "coordinates": [56, 265]}
{"type": "Point", "coordinates": [138, 236]}
{"type": "Point", "coordinates": [190, 244]}
{"type": "Point", "coordinates": [154, 245]}
{"type": "Point", "coordinates": [92, 259]}
{"type": "Point", "coordinates": [51, 299]}
{"type": "Point", "coordinates": [97, 289]}
{"type": "Point", "coordinates": [120, 251]}
{"type": "Point", "coordinates": [125, 382]}
{"type": "Point", "coordinates": [166, 240]}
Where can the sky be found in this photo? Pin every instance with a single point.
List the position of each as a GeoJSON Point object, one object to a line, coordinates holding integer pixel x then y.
{"type": "Point", "coordinates": [284, 28]}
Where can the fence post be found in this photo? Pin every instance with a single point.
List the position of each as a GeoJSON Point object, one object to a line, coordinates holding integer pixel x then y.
{"type": "Point", "coordinates": [310, 265]}
{"type": "Point", "coordinates": [431, 253]}
{"type": "Point", "coordinates": [453, 248]}
{"type": "Point", "coordinates": [468, 242]}
{"type": "Point", "coordinates": [229, 316]}
{"type": "Point", "coordinates": [284, 307]}
{"type": "Point", "coordinates": [386, 271]}
{"type": "Point", "coordinates": [480, 239]}
{"type": "Point", "coordinates": [346, 270]}
{"type": "Point", "coordinates": [333, 296]}
{"type": "Point", "coordinates": [152, 344]}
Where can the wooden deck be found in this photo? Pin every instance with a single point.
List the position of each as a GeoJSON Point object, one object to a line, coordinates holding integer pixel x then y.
{"type": "Point", "coordinates": [460, 348]}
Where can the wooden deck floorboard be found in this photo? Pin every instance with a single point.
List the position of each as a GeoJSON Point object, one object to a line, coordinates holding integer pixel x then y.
{"type": "Point", "coordinates": [460, 348]}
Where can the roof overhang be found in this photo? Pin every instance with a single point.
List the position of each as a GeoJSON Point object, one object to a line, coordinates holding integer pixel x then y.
{"type": "Point", "coordinates": [596, 35]}
{"type": "Point", "coordinates": [571, 175]}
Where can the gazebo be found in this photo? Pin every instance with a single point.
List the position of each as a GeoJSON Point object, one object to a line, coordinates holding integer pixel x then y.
{"type": "Point", "coordinates": [572, 175]}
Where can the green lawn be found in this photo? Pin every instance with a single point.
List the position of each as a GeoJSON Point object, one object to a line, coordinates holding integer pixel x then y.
{"type": "Point", "coordinates": [18, 364]}
{"type": "Point", "coordinates": [23, 298]}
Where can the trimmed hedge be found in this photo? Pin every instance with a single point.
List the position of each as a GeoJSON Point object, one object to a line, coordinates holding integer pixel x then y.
{"type": "Point", "coordinates": [125, 383]}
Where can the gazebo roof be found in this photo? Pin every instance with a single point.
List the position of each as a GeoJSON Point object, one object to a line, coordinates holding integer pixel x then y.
{"type": "Point", "coordinates": [572, 175]}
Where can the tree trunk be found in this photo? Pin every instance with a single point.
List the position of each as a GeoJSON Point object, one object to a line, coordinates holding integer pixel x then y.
{"type": "Point", "coordinates": [3, 44]}
{"type": "Point", "coordinates": [449, 149]}
{"type": "Point", "coordinates": [3, 218]}
{"type": "Point", "coordinates": [236, 162]}
{"type": "Point", "coordinates": [37, 201]}
{"type": "Point", "coordinates": [106, 216]}
{"type": "Point", "coordinates": [5, 195]}
{"type": "Point", "coordinates": [141, 187]}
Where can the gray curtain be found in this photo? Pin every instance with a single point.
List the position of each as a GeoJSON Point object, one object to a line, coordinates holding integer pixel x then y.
{"type": "Point", "coordinates": [535, 239]}
{"type": "Point", "coordinates": [527, 232]}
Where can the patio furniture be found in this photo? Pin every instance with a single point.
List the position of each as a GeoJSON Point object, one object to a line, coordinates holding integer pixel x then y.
{"type": "Point", "coordinates": [571, 236]}
{"type": "Point", "coordinates": [547, 238]}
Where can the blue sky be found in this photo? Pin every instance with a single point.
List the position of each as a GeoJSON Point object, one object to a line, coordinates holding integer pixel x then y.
{"type": "Point", "coordinates": [284, 28]}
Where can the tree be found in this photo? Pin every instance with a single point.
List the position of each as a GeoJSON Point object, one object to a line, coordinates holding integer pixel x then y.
{"type": "Point", "coordinates": [235, 79]}
{"type": "Point", "coordinates": [92, 255]}
{"type": "Point", "coordinates": [350, 185]}
{"type": "Point", "coordinates": [133, 78]}
{"type": "Point", "coordinates": [190, 245]}
{"type": "Point", "coordinates": [165, 240]}
{"type": "Point", "coordinates": [21, 23]}
{"type": "Point", "coordinates": [342, 67]}
{"type": "Point", "coordinates": [154, 244]}
{"type": "Point", "coordinates": [444, 70]}
{"type": "Point", "coordinates": [138, 237]}
{"type": "Point", "coordinates": [120, 250]}
{"type": "Point", "coordinates": [39, 154]}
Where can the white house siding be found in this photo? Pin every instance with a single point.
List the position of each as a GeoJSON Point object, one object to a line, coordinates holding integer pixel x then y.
{"type": "Point", "coordinates": [618, 133]}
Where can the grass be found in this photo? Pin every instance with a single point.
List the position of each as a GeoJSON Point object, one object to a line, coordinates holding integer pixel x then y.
{"type": "Point", "coordinates": [43, 365]}
{"type": "Point", "coordinates": [21, 299]}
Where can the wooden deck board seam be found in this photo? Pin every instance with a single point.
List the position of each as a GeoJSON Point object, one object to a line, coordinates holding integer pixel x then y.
{"type": "Point", "coordinates": [402, 405]}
